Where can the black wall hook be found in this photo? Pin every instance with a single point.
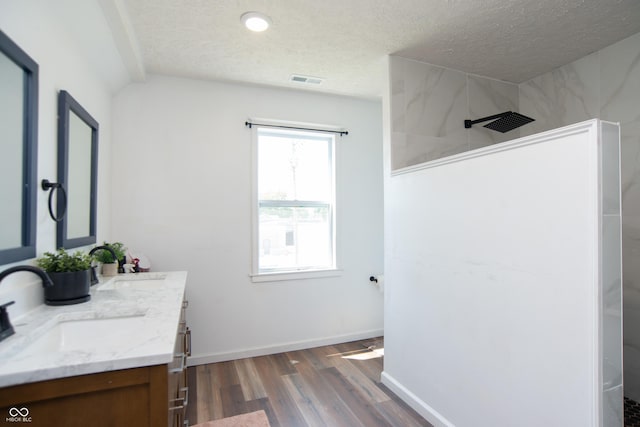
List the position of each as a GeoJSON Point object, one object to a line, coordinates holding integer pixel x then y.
{"type": "Point", "coordinates": [46, 184]}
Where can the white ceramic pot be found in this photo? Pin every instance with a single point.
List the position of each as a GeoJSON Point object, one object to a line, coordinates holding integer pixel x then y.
{"type": "Point", "coordinates": [110, 269]}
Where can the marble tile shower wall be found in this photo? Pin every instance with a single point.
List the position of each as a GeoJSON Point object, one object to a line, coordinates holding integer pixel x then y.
{"type": "Point", "coordinates": [605, 84]}
{"type": "Point", "coordinates": [429, 105]}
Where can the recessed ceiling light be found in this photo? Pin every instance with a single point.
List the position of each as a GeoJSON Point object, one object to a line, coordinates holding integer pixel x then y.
{"type": "Point", "coordinates": [255, 21]}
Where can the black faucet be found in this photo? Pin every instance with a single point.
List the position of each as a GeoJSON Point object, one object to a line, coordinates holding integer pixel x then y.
{"type": "Point", "coordinates": [94, 275]}
{"type": "Point", "coordinates": [6, 329]}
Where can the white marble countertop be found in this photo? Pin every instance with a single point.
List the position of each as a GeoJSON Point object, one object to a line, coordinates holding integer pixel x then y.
{"type": "Point", "coordinates": [147, 325]}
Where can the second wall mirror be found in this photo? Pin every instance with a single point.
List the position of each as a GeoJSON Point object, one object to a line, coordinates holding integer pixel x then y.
{"type": "Point", "coordinates": [77, 172]}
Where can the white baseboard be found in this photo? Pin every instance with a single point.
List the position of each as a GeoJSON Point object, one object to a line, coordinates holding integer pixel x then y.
{"type": "Point", "coordinates": [201, 359]}
{"type": "Point", "coordinates": [426, 411]}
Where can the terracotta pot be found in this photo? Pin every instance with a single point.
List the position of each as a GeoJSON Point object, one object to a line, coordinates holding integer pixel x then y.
{"type": "Point", "coordinates": [68, 288]}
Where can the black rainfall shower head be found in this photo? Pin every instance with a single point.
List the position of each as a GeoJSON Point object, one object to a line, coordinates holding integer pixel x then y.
{"type": "Point", "coordinates": [509, 122]}
{"type": "Point", "coordinates": [504, 123]}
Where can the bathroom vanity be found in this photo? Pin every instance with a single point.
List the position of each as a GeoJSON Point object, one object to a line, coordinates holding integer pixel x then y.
{"type": "Point", "coordinates": [119, 359]}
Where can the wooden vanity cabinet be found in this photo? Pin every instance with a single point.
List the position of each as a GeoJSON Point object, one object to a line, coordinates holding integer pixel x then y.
{"type": "Point", "coordinates": [146, 396]}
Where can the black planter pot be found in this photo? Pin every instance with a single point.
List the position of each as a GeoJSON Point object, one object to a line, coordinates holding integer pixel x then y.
{"type": "Point", "coordinates": [68, 288]}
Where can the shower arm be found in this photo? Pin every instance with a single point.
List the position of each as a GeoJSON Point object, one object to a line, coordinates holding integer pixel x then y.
{"type": "Point", "coordinates": [469, 123]}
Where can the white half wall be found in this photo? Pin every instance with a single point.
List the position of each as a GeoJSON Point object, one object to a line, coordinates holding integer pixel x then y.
{"type": "Point", "coordinates": [182, 196]}
{"type": "Point", "coordinates": [503, 285]}
{"type": "Point", "coordinates": [604, 84]}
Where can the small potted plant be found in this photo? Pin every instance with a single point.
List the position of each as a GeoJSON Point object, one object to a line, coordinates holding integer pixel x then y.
{"type": "Point", "coordinates": [70, 274]}
{"type": "Point", "coordinates": [111, 266]}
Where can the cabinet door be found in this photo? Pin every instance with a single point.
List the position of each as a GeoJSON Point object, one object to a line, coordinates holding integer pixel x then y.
{"type": "Point", "coordinates": [116, 398]}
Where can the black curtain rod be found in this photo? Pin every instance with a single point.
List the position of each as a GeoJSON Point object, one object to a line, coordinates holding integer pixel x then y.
{"type": "Point", "coordinates": [340, 132]}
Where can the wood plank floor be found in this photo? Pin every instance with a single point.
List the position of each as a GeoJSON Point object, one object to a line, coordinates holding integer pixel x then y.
{"type": "Point", "coordinates": [330, 386]}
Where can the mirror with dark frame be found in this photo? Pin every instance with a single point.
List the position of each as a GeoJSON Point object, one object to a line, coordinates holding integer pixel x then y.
{"type": "Point", "coordinates": [18, 152]}
{"type": "Point", "coordinates": [77, 172]}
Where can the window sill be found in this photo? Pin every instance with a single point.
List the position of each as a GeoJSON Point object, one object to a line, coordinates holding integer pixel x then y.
{"type": "Point", "coordinates": [294, 275]}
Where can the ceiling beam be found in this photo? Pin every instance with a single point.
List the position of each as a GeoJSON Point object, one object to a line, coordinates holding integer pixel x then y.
{"type": "Point", "coordinates": [117, 17]}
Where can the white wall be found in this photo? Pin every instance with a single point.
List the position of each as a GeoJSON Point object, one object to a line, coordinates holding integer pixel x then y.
{"type": "Point", "coordinates": [503, 274]}
{"type": "Point", "coordinates": [63, 38]}
{"type": "Point", "coordinates": [182, 196]}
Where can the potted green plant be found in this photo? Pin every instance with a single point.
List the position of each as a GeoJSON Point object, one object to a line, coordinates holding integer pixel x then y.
{"type": "Point", "coordinates": [110, 266]}
{"type": "Point", "coordinates": [70, 274]}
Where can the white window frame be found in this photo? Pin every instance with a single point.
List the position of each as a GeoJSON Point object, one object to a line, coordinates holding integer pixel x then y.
{"type": "Point", "coordinates": [279, 275]}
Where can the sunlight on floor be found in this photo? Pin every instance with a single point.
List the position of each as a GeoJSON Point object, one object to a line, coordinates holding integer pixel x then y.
{"type": "Point", "coordinates": [367, 355]}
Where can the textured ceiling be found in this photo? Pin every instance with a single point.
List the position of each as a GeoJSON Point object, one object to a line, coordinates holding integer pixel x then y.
{"type": "Point", "coordinates": [345, 41]}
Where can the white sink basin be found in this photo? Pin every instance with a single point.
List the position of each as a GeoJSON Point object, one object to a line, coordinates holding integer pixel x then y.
{"type": "Point", "coordinates": [144, 281]}
{"type": "Point", "coordinates": [85, 335]}
{"type": "Point", "coordinates": [148, 284]}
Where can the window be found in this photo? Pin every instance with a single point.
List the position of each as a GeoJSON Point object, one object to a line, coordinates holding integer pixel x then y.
{"type": "Point", "coordinates": [295, 201]}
